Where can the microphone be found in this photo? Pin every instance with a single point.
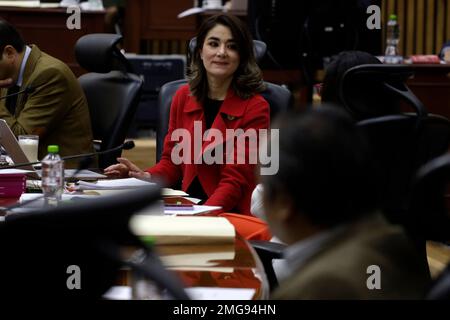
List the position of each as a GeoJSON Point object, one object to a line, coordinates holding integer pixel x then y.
{"type": "Point", "coordinates": [124, 146]}
{"type": "Point", "coordinates": [128, 145]}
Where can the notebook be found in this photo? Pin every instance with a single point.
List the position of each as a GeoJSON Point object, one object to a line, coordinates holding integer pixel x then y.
{"type": "Point", "coordinates": [9, 142]}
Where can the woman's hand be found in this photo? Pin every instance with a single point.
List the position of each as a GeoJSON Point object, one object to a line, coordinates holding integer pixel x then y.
{"type": "Point", "coordinates": [125, 168]}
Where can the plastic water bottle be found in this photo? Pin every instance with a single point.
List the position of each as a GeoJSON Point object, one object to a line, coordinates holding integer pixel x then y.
{"type": "Point", "coordinates": [52, 176]}
{"type": "Point", "coordinates": [392, 39]}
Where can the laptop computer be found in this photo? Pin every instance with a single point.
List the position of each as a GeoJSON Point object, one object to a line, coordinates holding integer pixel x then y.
{"type": "Point", "coordinates": [9, 142]}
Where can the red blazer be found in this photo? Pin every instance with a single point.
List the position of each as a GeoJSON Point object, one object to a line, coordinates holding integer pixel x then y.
{"type": "Point", "coordinates": [227, 185]}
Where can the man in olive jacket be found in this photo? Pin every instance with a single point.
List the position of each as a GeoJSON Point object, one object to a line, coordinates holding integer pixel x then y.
{"type": "Point", "coordinates": [323, 203]}
{"type": "Point", "coordinates": [53, 105]}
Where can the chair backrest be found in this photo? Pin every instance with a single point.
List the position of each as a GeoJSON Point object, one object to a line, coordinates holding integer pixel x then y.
{"type": "Point", "coordinates": [375, 90]}
{"type": "Point", "coordinates": [279, 98]}
{"type": "Point", "coordinates": [399, 149]}
{"type": "Point", "coordinates": [429, 212]}
{"type": "Point", "coordinates": [112, 93]}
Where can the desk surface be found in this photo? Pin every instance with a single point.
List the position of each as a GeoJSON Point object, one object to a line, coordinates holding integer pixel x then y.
{"type": "Point", "coordinates": [223, 266]}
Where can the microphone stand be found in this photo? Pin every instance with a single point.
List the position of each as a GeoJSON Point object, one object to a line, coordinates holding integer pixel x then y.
{"type": "Point", "coordinates": [28, 89]}
{"type": "Point", "coordinates": [125, 146]}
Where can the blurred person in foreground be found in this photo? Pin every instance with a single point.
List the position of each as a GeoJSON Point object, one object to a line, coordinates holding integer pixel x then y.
{"type": "Point", "coordinates": [323, 203]}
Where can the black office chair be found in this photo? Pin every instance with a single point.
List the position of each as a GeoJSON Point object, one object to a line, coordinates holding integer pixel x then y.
{"type": "Point", "coordinates": [400, 145]}
{"type": "Point", "coordinates": [268, 251]}
{"type": "Point", "coordinates": [429, 212]}
{"type": "Point", "coordinates": [429, 215]}
{"type": "Point", "coordinates": [379, 90]}
{"type": "Point", "coordinates": [112, 92]}
{"type": "Point", "coordinates": [400, 142]}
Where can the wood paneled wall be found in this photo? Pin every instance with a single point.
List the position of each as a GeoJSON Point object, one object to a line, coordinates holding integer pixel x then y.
{"type": "Point", "coordinates": [424, 24]}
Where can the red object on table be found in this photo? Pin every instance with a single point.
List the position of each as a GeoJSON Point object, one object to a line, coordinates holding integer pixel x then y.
{"type": "Point", "coordinates": [425, 59]}
{"type": "Point", "coordinates": [12, 185]}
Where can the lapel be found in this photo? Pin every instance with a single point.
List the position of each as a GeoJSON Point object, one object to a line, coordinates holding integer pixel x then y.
{"type": "Point", "coordinates": [29, 69]}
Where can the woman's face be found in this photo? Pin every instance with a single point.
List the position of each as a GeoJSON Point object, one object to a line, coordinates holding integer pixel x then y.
{"type": "Point", "coordinates": [219, 53]}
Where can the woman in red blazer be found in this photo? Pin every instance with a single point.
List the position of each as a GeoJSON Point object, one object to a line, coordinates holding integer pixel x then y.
{"type": "Point", "coordinates": [222, 94]}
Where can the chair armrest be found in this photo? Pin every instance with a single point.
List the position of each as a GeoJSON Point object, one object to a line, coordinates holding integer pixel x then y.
{"type": "Point", "coordinates": [272, 250]}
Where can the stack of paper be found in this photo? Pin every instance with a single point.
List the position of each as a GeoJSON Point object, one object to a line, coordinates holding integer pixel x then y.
{"type": "Point", "coordinates": [195, 209]}
{"type": "Point", "coordinates": [183, 230]}
{"type": "Point", "coordinates": [128, 183]}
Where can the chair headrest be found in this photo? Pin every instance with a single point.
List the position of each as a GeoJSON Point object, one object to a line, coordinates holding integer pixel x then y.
{"type": "Point", "coordinates": [259, 48]}
{"type": "Point", "coordinates": [98, 52]}
{"type": "Point", "coordinates": [392, 78]}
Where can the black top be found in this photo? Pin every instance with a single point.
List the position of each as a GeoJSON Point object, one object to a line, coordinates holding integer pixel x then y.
{"type": "Point", "coordinates": [210, 109]}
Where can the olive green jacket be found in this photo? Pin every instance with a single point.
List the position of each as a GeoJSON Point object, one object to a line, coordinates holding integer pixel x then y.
{"type": "Point", "coordinates": [340, 269]}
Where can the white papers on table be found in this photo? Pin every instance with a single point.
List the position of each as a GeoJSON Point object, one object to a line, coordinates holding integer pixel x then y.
{"type": "Point", "coordinates": [39, 202]}
{"type": "Point", "coordinates": [196, 209]}
{"type": "Point", "coordinates": [23, 3]}
{"type": "Point", "coordinates": [116, 184]}
{"type": "Point", "coordinates": [29, 196]}
{"type": "Point", "coordinates": [14, 171]}
{"type": "Point", "coordinates": [128, 183]}
{"type": "Point", "coordinates": [186, 230]}
{"type": "Point", "coordinates": [193, 200]}
{"type": "Point", "coordinates": [46, 5]}
{"type": "Point", "coordinates": [196, 293]}
{"type": "Point", "coordinates": [167, 192]}
{"type": "Point", "coordinates": [208, 293]}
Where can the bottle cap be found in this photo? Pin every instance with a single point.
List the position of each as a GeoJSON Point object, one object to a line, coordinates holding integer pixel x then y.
{"type": "Point", "coordinates": [393, 17]}
{"type": "Point", "coordinates": [53, 149]}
